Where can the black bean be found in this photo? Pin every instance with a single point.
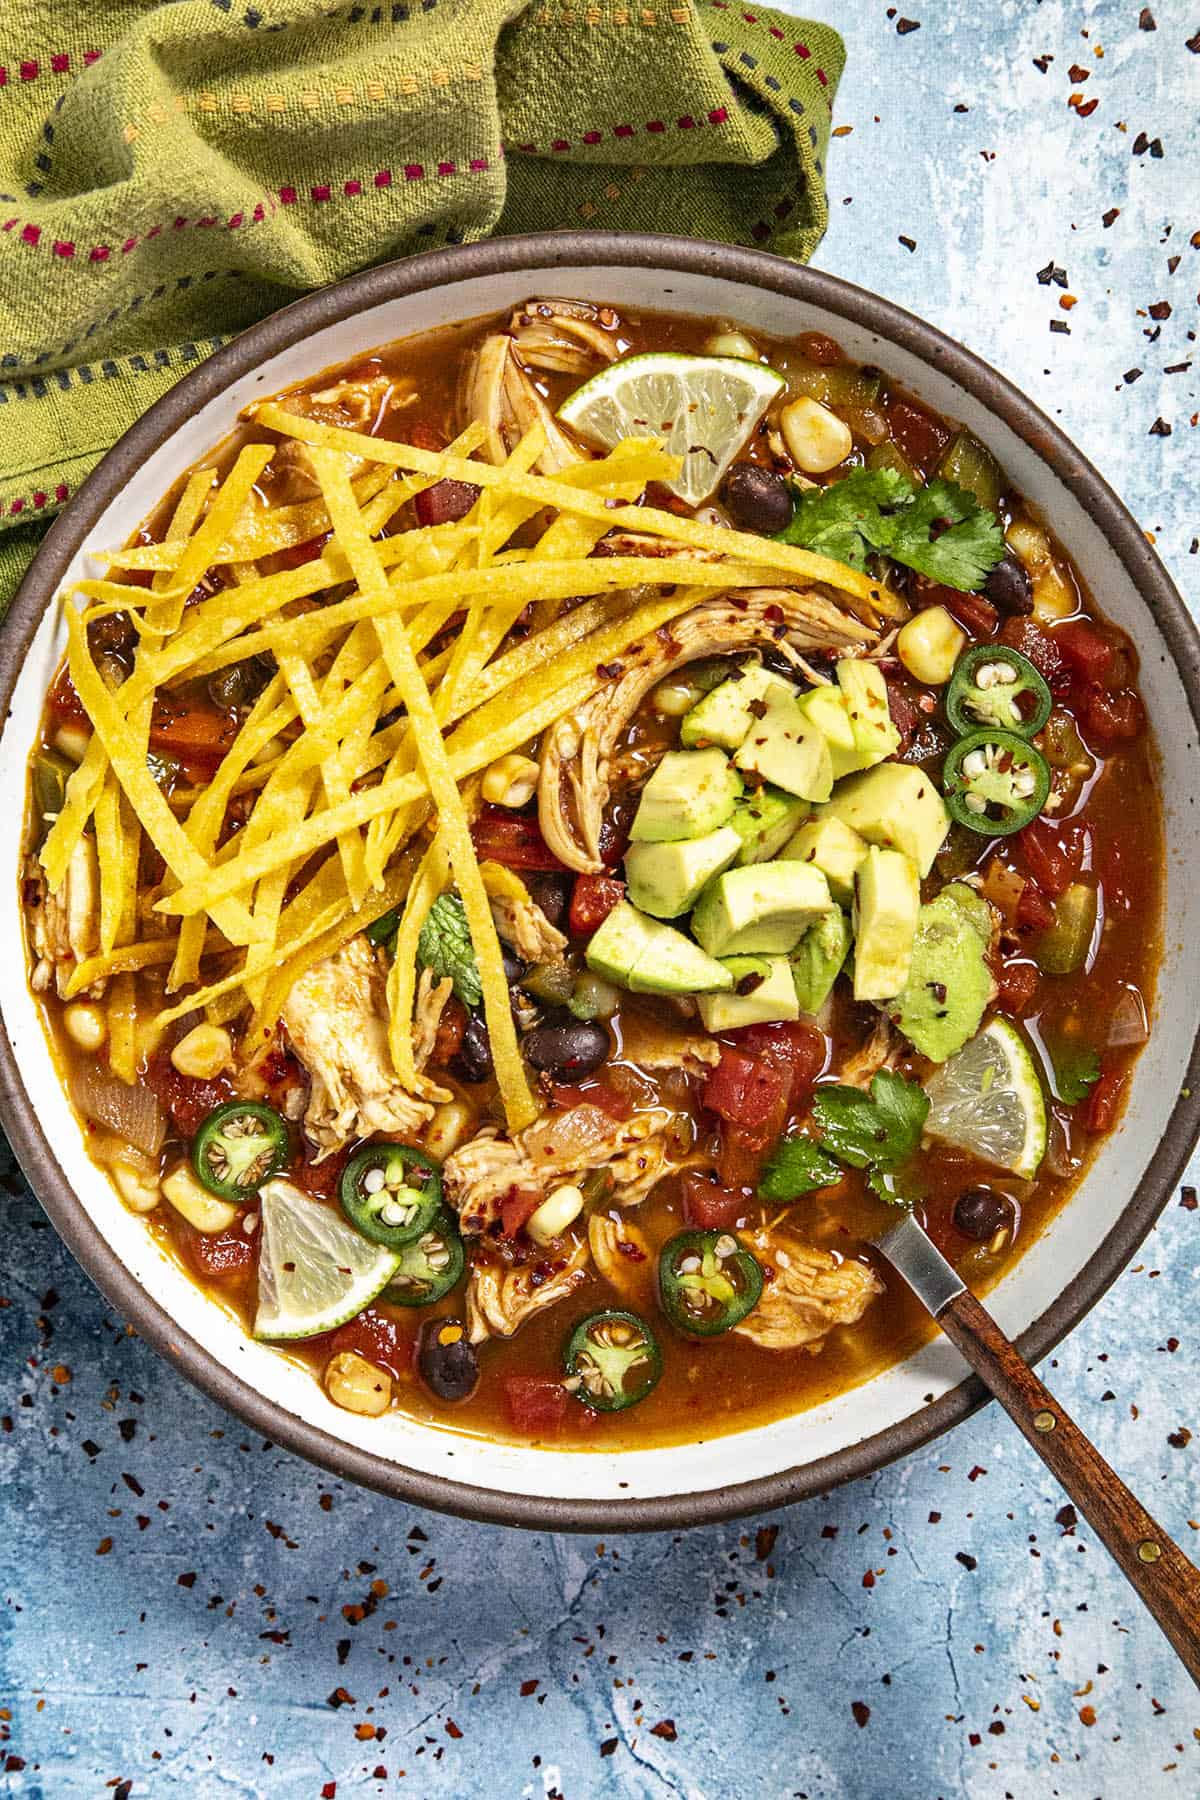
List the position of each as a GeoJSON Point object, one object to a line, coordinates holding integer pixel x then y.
{"type": "Point", "coordinates": [474, 1059]}
{"type": "Point", "coordinates": [239, 684]}
{"type": "Point", "coordinates": [446, 1359]}
{"type": "Point", "coordinates": [514, 968]}
{"type": "Point", "coordinates": [757, 499]}
{"type": "Point", "coordinates": [113, 633]}
{"type": "Point", "coordinates": [550, 892]}
{"type": "Point", "coordinates": [568, 1051]}
{"type": "Point", "coordinates": [1008, 587]}
{"type": "Point", "coordinates": [979, 1213]}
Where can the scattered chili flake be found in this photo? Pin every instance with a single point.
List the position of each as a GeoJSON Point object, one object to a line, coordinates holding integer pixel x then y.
{"type": "Point", "coordinates": [764, 1541]}
{"type": "Point", "coordinates": [1043, 62]}
{"type": "Point", "coordinates": [1077, 72]}
{"type": "Point", "coordinates": [1052, 273]}
{"type": "Point", "coordinates": [1160, 428]}
{"type": "Point", "coordinates": [1193, 44]}
{"type": "Point", "coordinates": [861, 1711]}
{"type": "Point", "coordinates": [904, 26]}
{"type": "Point", "coordinates": [1179, 1440]}
{"type": "Point", "coordinates": [609, 1745]}
{"type": "Point", "coordinates": [1132, 375]}
{"type": "Point", "coordinates": [1061, 326]}
{"type": "Point", "coordinates": [1146, 20]}
{"type": "Point", "coordinates": [1187, 1199]}
{"type": "Point", "coordinates": [1067, 1517]}
{"type": "Point", "coordinates": [910, 244]}
{"type": "Point", "coordinates": [1160, 310]}
{"type": "Point", "coordinates": [1087, 1715]}
{"type": "Point", "coordinates": [104, 1546]}
{"type": "Point", "coordinates": [665, 1729]}
{"type": "Point", "coordinates": [527, 1688]}
{"type": "Point", "coordinates": [1110, 217]}
{"type": "Point", "coordinates": [1067, 301]}
{"type": "Point", "coordinates": [968, 1562]}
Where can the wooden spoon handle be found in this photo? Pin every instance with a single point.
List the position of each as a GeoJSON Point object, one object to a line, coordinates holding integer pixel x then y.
{"type": "Point", "coordinates": [1167, 1582]}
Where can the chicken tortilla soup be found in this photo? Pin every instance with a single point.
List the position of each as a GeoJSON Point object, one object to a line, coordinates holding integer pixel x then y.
{"type": "Point", "coordinates": [553, 833]}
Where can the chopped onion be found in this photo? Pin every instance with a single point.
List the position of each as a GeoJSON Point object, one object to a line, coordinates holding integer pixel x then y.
{"type": "Point", "coordinates": [1128, 1025]}
{"type": "Point", "coordinates": [133, 1113]}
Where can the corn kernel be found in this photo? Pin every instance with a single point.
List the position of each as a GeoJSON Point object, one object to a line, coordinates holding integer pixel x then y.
{"type": "Point", "coordinates": [447, 1129]}
{"type": "Point", "coordinates": [816, 438]}
{"type": "Point", "coordinates": [511, 781]}
{"type": "Point", "coordinates": [357, 1385]}
{"type": "Point", "coordinates": [195, 1204]}
{"type": "Point", "coordinates": [930, 645]}
{"type": "Point", "coordinates": [672, 698]}
{"type": "Point", "coordinates": [731, 343]}
{"type": "Point", "coordinates": [204, 1052]}
{"type": "Point", "coordinates": [557, 1211]}
{"type": "Point", "coordinates": [85, 1025]}
{"type": "Point", "coordinates": [140, 1191]}
{"type": "Point", "coordinates": [72, 741]}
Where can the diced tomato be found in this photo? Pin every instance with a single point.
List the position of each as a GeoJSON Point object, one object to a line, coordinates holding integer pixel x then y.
{"type": "Point", "coordinates": [380, 1339]}
{"type": "Point", "coordinates": [224, 1257]}
{"type": "Point", "coordinates": [609, 1099]}
{"type": "Point", "coordinates": [516, 1209]}
{"type": "Point", "coordinates": [512, 839]}
{"type": "Point", "coordinates": [819, 349]}
{"type": "Point", "coordinates": [1053, 854]}
{"type": "Point", "coordinates": [425, 437]}
{"type": "Point", "coordinates": [62, 700]}
{"type": "Point", "coordinates": [920, 438]}
{"type": "Point", "coordinates": [1103, 1101]}
{"type": "Point", "coordinates": [191, 728]}
{"type": "Point", "coordinates": [449, 1035]}
{"type": "Point", "coordinates": [744, 1090]}
{"type": "Point", "coordinates": [593, 898]}
{"type": "Point", "coordinates": [186, 1099]}
{"type": "Point", "coordinates": [796, 1049]}
{"type": "Point", "coordinates": [707, 1207]}
{"type": "Point", "coordinates": [905, 714]}
{"type": "Point", "coordinates": [321, 1179]}
{"type": "Point", "coordinates": [1035, 642]}
{"type": "Point", "coordinates": [1111, 718]}
{"type": "Point", "coordinates": [1034, 911]}
{"type": "Point", "coordinates": [536, 1406]}
{"type": "Point", "coordinates": [742, 1149]}
{"type": "Point", "coordinates": [1084, 651]}
{"type": "Point", "coordinates": [445, 502]}
{"type": "Point", "coordinates": [298, 554]}
{"type": "Point", "coordinates": [1017, 985]}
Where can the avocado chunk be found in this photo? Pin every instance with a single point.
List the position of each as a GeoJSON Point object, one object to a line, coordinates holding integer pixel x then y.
{"type": "Point", "coordinates": [818, 958]}
{"type": "Point", "coordinates": [650, 958]}
{"type": "Point", "coordinates": [724, 716]}
{"type": "Point", "coordinates": [887, 902]}
{"type": "Point", "coordinates": [786, 751]}
{"type": "Point", "coordinates": [835, 850]}
{"type": "Point", "coordinates": [666, 879]}
{"type": "Point", "coordinates": [762, 909]}
{"type": "Point", "coordinates": [895, 806]}
{"type": "Point", "coordinates": [826, 711]}
{"type": "Point", "coordinates": [949, 985]}
{"type": "Point", "coordinates": [875, 737]}
{"type": "Point", "coordinates": [765, 818]}
{"type": "Point", "coordinates": [689, 794]}
{"type": "Point", "coordinates": [763, 991]}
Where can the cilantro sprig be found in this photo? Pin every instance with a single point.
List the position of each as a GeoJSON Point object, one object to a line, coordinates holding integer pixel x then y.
{"type": "Point", "coordinates": [1076, 1070]}
{"type": "Point", "coordinates": [881, 510]}
{"type": "Point", "coordinates": [877, 1131]}
{"type": "Point", "coordinates": [445, 948]}
{"type": "Point", "coordinates": [797, 1166]}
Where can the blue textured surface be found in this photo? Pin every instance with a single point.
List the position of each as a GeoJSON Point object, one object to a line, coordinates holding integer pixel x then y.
{"type": "Point", "coordinates": [188, 1611]}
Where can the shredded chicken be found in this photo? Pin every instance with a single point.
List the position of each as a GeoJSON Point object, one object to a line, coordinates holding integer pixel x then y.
{"type": "Point", "coordinates": [336, 1020]}
{"type": "Point", "coordinates": [353, 405]}
{"type": "Point", "coordinates": [577, 758]}
{"type": "Point", "coordinates": [811, 1292]}
{"type": "Point", "coordinates": [622, 1257]}
{"type": "Point", "coordinates": [501, 1299]}
{"type": "Point", "coordinates": [559, 1147]}
{"type": "Point", "coordinates": [880, 1051]}
{"type": "Point", "coordinates": [65, 925]}
{"type": "Point", "coordinates": [655, 1041]}
{"type": "Point", "coordinates": [524, 925]}
{"type": "Point", "coordinates": [497, 392]}
{"type": "Point", "coordinates": [643, 543]}
{"type": "Point", "coordinates": [564, 337]}
{"type": "Point", "coordinates": [432, 997]}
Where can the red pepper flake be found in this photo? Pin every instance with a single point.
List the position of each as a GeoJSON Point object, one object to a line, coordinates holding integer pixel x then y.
{"type": "Point", "coordinates": [904, 26]}
{"type": "Point", "coordinates": [968, 1562]}
{"type": "Point", "coordinates": [188, 1580]}
{"type": "Point", "coordinates": [340, 1697]}
{"type": "Point", "coordinates": [976, 1472]}
{"type": "Point", "coordinates": [527, 1688]}
{"type": "Point", "coordinates": [453, 1730]}
{"type": "Point", "coordinates": [329, 1791]}
{"type": "Point", "coordinates": [1160, 310]}
{"type": "Point", "coordinates": [1146, 20]}
{"type": "Point", "coordinates": [997, 1727]}
{"type": "Point", "coordinates": [1067, 1517]}
{"type": "Point", "coordinates": [1160, 428]}
{"type": "Point", "coordinates": [764, 1541]}
{"type": "Point", "coordinates": [1110, 217]}
{"type": "Point", "coordinates": [868, 1579]}
{"type": "Point", "coordinates": [104, 1546]}
{"type": "Point", "coordinates": [609, 1745]}
{"type": "Point", "coordinates": [665, 1729]}
{"type": "Point", "coordinates": [1187, 1199]}
{"type": "Point", "coordinates": [1087, 1715]}
{"type": "Point", "coordinates": [1179, 1440]}
{"type": "Point", "coordinates": [862, 1713]}
{"type": "Point", "coordinates": [364, 1732]}
{"type": "Point", "coordinates": [910, 244]}
{"type": "Point", "coordinates": [1077, 72]}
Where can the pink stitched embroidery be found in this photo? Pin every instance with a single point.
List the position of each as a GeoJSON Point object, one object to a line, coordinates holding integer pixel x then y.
{"type": "Point", "coordinates": [37, 500]}
{"type": "Point", "coordinates": [60, 64]}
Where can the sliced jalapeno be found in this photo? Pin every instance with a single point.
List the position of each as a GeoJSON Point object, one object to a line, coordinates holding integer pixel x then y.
{"type": "Point", "coordinates": [994, 782]}
{"type": "Point", "coordinates": [239, 1146]}
{"type": "Point", "coordinates": [995, 686]}
{"type": "Point", "coordinates": [612, 1361]}
{"type": "Point", "coordinates": [707, 1282]}
{"type": "Point", "coordinates": [430, 1266]}
{"type": "Point", "coordinates": [391, 1193]}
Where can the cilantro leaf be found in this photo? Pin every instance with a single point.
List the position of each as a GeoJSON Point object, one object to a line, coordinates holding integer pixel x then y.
{"type": "Point", "coordinates": [875, 1130]}
{"type": "Point", "coordinates": [1076, 1069]}
{"type": "Point", "coordinates": [879, 509]}
{"type": "Point", "coordinates": [445, 947]}
{"type": "Point", "coordinates": [797, 1166]}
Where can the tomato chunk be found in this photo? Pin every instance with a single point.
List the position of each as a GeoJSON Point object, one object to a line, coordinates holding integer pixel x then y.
{"type": "Point", "coordinates": [1104, 1101]}
{"type": "Point", "coordinates": [1035, 642]}
{"type": "Point", "coordinates": [617, 1105]}
{"type": "Point", "coordinates": [796, 1049]}
{"type": "Point", "coordinates": [447, 1040]}
{"type": "Point", "coordinates": [445, 502]}
{"type": "Point", "coordinates": [973, 612]}
{"type": "Point", "coordinates": [1053, 854]}
{"type": "Point", "coordinates": [297, 554]}
{"type": "Point", "coordinates": [920, 438]}
{"type": "Point", "coordinates": [535, 1405]}
{"type": "Point", "coordinates": [186, 1099]}
{"type": "Point", "coordinates": [511, 839]}
{"type": "Point", "coordinates": [192, 728]}
{"type": "Point", "coordinates": [1111, 718]}
{"type": "Point", "coordinates": [516, 1209]}
{"type": "Point", "coordinates": [1084, 651]}
{"type": "Point", "coordinates": [224, 1257]}
{"type": "Point", "coordinates": [1017, 985]}
{"type": "Point", "coordinates": [707, 1207]}
{"type": "Point", "coordinates": [1034, 911]}
{"type": "Point", "coordinates": [379, 1339]}
{"type": "Point", "coordinates": [744, 1090]}
{"type": "Point", "coordinates": [594, 897]}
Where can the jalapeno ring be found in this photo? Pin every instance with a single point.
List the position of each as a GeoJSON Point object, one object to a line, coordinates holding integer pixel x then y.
{"type": "Point", "coordinates": [707, 1282]}
{"type": "Point", "coordinates": [612, 1361]}
{"type": "Point", "coordinates": [994, 782]}
{"type": "Point", "coordinates": [237, 1147]}
{"type": "Point", "coordinates": [986, 689]}
{"type": "Point", "coordinates": [430, 1266]}
{"type": "Point", "coordinates": [391, 1193]}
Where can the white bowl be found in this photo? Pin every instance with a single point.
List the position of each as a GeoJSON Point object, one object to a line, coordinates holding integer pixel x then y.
{"type": "Point", "coordinates": [1040, 1297]}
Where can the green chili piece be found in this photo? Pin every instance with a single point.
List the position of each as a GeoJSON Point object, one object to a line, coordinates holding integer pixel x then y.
{"type": "Point", "coordinates": [552, 981]}
{"type": "Point", "coordinates": [612, 1361]}
{"type": "Point", "coordinates": [970, 465]}
{"type": "Point", "coordinates": [707, 1282]}
{"type": "Point", "coordinates": [993, 685]}
{"type": "Point", "coordinates": [1063, 947]}
{"type": "Point", "coordinates": [430, 1266]}
{"type": "Point", "coordinates": [391, 1193]}
{"type": "Point", "coordinates": [239, 1146]}
{"type": "Point", "coordinates": [994, 782]}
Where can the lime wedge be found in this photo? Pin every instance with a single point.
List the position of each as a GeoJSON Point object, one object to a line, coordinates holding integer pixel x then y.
{"type": "Point", "coordinates": [705, 407]}
{"type": "Point", "coordinates": [988, 1099]}
{"type": "Point", "coordinates": [314, 1271]}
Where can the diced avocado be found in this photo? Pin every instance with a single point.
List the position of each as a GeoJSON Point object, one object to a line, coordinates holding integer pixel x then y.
{"type": "Point", "coordinates": [763, 991]}
{"type": "Point", "coordinates": [818, 957]}
{"type": "Point", "coordinates": [761, 909]}
{"type": "Point", "coordinates": [895, 806]}
{"type": "Point", "coordinates": [949, 984]}
{"type": "Point", "coordinates": [836, 851]}
{"type": "Point", "coordinates": [786, 751]}
{"type": "Point", "coordinates": [650, 958]}
{"type": "Point", "coordinates": [887, 902]}
{"type": "Point", "coordinates": [765, 818]}
{"type": "Point", "coordinates": [724, 716]}
{"type": "Point", "coordinates": [689, 794]}
{"type": "Point", "coordinates": [826, 711]}
{"type": "Point", "coordinates": [666, 879]}
{"type": "Point", "coordinates": [870, 716]}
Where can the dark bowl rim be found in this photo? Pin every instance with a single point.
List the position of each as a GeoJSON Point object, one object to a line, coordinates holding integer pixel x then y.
{"type": "Point", "coordinates": [444, 268]}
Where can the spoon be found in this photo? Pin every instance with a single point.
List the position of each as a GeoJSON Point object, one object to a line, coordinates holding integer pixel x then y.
{"type": "Point", "coordinates": [1168, 1583]}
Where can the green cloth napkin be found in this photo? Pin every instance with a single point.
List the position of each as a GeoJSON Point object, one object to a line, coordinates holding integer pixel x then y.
{"type": "Point", "coordinates": [171, 173]}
